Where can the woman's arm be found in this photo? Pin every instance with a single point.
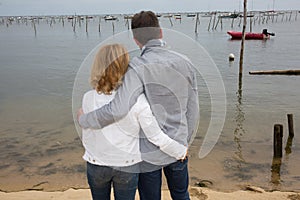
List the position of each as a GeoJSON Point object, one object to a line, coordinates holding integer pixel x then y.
{"type": "Point", "coordinates": [155, 135]}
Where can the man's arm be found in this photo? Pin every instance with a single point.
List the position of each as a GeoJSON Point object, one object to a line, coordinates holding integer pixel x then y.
{"type": "Point", "coordinates": [193, 107]}
{"type": "Point", "coordinates": [125, 98]}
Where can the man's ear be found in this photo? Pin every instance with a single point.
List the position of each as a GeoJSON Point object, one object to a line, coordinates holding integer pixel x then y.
{"type": "Point", "coordinates": [160, 34]}
{"type": "Point", "coordinates": [138, 43]}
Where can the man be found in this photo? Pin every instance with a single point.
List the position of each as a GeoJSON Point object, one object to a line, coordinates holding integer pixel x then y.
{"type": "Point", "coordinates": [168, 80]}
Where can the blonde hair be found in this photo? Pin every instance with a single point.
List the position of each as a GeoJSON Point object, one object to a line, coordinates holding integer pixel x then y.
{"type": "Point", "coordinates": [110, 65]}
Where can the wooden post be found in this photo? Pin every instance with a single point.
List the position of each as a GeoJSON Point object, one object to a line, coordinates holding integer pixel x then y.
{"type": "Point", "coordinates": [34, 27]}
{"type": "Point", "coordinates": [243, 39]}
{"type": "Point", "coordinates": [232, 21]}
{"type": "Point", "coordinates": [99, 27]}
{"type": "Point", "coordinates": [63, 22]}
{"type": "Point", "coordinates": [296, 15]}
{"type": "Point", "coordinates": [170, 21]}
{"type": "Point", "coordinates": [221, 24]}
{"type": "Point", "coordinates": [113, 27]}
{"type": "Point", "coordinates": [74, 24]}
{"type": "Point", "coordinates": [209, 23]}
{"type": "Point", "coordinates": [251, 24]}
{"type": "Point", "coordinates": [217, 23]}
{"type": "Point", "coordinates": [196, 24]}
{"type": "Point", "coordinates": [290, 16]}
{"type": "Point", "coordinates": [86, 24]}
{"type": "Point", "coordinates": [290, 125]}
{"type": "Point", "coordinates": [278, 134]}
{"type": "Point", "coordinates": [214, 22]}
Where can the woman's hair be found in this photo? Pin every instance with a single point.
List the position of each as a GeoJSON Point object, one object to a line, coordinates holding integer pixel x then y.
{"type": "Point", "coordinates": [110, 64]}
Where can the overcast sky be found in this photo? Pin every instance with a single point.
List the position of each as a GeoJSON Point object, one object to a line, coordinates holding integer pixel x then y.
{"type": "Point", "coordinates": [52, 7]}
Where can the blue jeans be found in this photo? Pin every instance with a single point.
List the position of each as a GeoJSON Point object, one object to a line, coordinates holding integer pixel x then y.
{"type": "Point", "coordinates": [177, 179]}
{"type": "Point", "coordinates": [101, 178]}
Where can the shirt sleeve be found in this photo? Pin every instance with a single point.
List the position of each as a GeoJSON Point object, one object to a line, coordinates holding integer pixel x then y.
{"type": "Point", "coordinates": [192, 114]}
{"type": "Point", "coordinates": [156, 136]}
{"type": "Point", "coordinates": [125, 98]}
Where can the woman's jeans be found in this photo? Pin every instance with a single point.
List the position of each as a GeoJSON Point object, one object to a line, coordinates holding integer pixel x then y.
{"type": "Point", "coordinates": [101, 178]}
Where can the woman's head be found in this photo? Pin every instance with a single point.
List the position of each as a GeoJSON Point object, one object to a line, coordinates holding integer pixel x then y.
{"type": "Point", "coordinates": [110, 65]}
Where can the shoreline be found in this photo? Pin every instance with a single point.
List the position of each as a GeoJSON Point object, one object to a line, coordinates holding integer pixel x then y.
{"type": "Point", "coordinates": [196, 193]}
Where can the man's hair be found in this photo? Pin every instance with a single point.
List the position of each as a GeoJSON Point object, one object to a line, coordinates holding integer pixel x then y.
{"type": "Point", "coordinates": [145, 26]}
{"type": "Point", "coordinates": [110, 65]}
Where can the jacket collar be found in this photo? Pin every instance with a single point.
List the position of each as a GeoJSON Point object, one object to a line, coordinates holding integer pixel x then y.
{"type": "Point", "coordinates": [153, 43]}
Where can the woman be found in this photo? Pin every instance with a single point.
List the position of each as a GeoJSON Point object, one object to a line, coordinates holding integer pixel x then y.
{"type": "Point", "coordinates": [112, 153]}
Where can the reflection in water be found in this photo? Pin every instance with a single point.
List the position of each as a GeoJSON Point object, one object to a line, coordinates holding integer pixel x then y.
{"type": "Point", "coordinates": [240, 118]}
{"type": "Point", "coordinates": [275, 169]}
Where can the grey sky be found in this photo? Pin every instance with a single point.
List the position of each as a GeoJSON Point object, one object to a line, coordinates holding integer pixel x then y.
{"type": "Point", "coordinates": [51, 7]}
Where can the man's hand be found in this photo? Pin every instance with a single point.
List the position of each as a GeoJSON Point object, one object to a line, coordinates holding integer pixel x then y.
{"type": "Point", "coordinates": [185, 157]}
{"type": "Point", "coordinates": [79, 113]}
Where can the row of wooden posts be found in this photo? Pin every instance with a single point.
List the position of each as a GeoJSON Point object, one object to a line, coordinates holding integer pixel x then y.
{"type": "Point", "coordinates": [214, 21]}
{"type": "Point", "coordinates": [261, 19]}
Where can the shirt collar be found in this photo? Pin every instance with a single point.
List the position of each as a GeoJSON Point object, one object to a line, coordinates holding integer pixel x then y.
{"type": "Point", "coordinates": [153, 43]}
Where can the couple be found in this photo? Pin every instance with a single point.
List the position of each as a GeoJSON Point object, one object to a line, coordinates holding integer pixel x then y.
{"type": "Point", "coordinates": [140, 117]}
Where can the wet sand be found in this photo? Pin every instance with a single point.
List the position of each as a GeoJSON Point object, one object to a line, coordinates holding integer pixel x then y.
{"type": "Point", "coordinates": [196, 194]}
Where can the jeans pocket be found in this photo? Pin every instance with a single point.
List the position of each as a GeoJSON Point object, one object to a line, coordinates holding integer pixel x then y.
{"type": "Point", "coordinates": [178, 165]}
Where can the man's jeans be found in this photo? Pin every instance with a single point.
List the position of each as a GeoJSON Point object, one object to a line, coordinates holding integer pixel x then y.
{"type": "Point", "coordinates": [101, 178]}
{"type": "Point", "coordinates": [177, 179]}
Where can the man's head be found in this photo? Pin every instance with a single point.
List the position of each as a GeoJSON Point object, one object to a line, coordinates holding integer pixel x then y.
{"type": "Point", "coordinates": [145, 27]}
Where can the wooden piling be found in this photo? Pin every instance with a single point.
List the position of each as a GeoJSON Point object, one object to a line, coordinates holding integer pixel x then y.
{"type": "Point", "coordinates": [276, 72]}
{"type": "Point", "coordinates": [214, 22]}
{"type": "Point", "coordinates": [290, 125]}
{"type": "Point", "coordinates": [296, 15]}
{"type": "Point", "coordinates": [232, 22]}
{"type": "Point", "coordinates": [34, 27]}
{"type": "Point", "coordinates": [196, 24]}
{"type": "Point", "coordinates": [170, 21]}
{"type": "Point", "coordinates": [99, 26]}
{"type": "Point", "coordinates": [290, 16]}
{"type": "Point", "coordinates": [216, 25]}
{"type": "Point", "coordinates": [86, 24]}
{"type": "Point", "coordinates": [209, 23]}
{"type": "Point", "coordinates": [277, 140]}
{"type": "Point", "coordinates": [251, 24]}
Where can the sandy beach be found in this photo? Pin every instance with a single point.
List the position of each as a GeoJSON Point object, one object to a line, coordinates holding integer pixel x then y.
{"type": "Point", "coordinates": [252, 193]}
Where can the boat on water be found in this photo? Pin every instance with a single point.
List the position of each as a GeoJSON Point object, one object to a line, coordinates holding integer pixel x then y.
{"type": "Point", "coordinates": [229, 15]}
{"type": "Point", "coordinates": [109, 17]}
{"type": "Point", "coordinates": [235, 35]}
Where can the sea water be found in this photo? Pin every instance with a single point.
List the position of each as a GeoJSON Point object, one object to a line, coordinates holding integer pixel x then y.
{"type": "Point", "coordinates": [39, 145]}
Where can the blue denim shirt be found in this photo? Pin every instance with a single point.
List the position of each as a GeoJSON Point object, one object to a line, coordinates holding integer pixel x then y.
{"type": "Point", "coordinates": [168, 80]}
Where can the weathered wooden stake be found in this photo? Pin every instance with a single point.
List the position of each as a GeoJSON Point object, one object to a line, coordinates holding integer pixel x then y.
{"type": "Point", "coordinates": [278, 134]}
{"type": "Point", "coordinates": [296, 15]}
{"type": "Point", "coordinates": [217, 23]}
{"type": "Point", "coordinates": [99, 27]}
{"type": "Point", "coordinates": [232, 21]}
{"type": "Point", "coordinates": [196, 24]}
{"type": "Point", "coordinates": [290, 125]}
{"type": "Point", "coordinates": [243, 39]}
{"type": "Point", "coordinates": [214, 22]}
{"type": "Point", "coordinates": [86, 24]}
{"type": "Point", "coordinates": [209, 23]}
{"type": "Point", "coordinates": [34, 27]}
{"type": "Point", "coordinates": [170, 21]}
{"type": "Point", "coordinates": [251, 24]}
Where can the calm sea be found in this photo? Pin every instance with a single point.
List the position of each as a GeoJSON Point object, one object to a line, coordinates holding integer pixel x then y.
{"type": "Point", "coordinates": [39, 145]}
